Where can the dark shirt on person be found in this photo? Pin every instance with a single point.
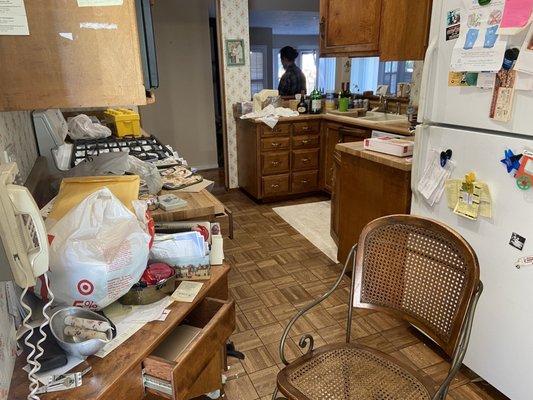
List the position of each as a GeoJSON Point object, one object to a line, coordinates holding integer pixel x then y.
{"type": "Point", "coordinates": [292, 81]}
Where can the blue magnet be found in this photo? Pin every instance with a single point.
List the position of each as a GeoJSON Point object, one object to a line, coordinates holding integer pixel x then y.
{"type": "Point", "coordinates": [511, 160]}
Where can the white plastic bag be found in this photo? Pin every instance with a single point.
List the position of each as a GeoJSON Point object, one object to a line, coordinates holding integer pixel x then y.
{"type": "Point", "coordinates": [81, 127]}
{"type": "Point", "coordinates": [98, 251]}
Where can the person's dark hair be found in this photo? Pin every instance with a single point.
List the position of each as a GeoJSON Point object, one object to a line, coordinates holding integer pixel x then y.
{"type": "Point", "coordinates": [289, 53]}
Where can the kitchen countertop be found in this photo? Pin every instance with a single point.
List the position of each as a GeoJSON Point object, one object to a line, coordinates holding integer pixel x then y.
{"type": "Point", "coordinates": [400, 127]}
{"type": "Point", "coordinates": [357, 149]}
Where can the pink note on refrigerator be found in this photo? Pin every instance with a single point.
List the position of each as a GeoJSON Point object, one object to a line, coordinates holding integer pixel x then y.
{"type": "Point", "coordinates": [516, 13]}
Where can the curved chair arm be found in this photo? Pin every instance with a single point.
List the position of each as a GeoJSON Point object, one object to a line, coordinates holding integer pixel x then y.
{"type": "Point", "coordinates": [307, 340]}
{"type": "Point", "coordinates": [460, 351]}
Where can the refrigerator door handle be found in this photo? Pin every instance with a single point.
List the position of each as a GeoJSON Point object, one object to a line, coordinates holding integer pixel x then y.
{"type": "Point", "coordinates": [425, 78]}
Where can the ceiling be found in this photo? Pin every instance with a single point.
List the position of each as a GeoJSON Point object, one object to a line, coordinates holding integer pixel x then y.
{"type": "Point", "coordinates": [286, 22]}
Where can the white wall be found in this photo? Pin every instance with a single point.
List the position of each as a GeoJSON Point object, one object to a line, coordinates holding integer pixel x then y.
{"type": "Point", "coordinates": [183, 114]}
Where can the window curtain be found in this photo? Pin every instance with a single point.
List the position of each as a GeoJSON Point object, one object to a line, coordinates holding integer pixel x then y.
{"type": "Point", "coordinates": [326, 74]}
{"type": "Point", "coordinates": [364, 74]}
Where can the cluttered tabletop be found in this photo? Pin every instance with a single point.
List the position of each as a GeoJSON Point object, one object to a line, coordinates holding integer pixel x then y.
{"type": "Point", "coordinates": [135, 253]}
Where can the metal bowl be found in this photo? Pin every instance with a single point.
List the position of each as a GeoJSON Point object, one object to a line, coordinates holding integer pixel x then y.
{"type": "Point", "coordinates": [70, 344]}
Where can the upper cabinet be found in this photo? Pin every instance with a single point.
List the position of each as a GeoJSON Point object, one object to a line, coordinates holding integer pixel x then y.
{"type": "Point", "coordinates": [391, 29]}
{"type": "Point", "coordinates": [349, 26]}
{"type": "Point", "coordinates": [73, 57]}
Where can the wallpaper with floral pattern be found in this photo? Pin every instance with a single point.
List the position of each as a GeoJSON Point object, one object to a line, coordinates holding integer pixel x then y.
{"type": "Point", "coordinates": [16, 129]}
{"type": "Point", "coordinates": [234, 25]}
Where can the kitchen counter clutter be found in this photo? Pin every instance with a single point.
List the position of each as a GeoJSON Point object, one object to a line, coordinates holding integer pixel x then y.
{"type": "Point", "coordinates": [296, 156]}
{"type": "Point", "coordinates": [357, 149]}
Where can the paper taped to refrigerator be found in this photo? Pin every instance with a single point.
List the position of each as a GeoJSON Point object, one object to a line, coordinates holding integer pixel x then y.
{"type": "Point", "coordinates": [480, 46]}
{"type": "Point", "coordinates": [431, 185]}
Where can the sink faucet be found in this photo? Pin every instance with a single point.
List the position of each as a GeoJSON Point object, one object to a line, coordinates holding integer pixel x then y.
{"type": "Point", "coordinates": [383, 104]}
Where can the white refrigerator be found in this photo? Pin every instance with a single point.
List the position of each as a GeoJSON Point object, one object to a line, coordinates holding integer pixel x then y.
{"type": "Point", "coordinates": [457, 118]}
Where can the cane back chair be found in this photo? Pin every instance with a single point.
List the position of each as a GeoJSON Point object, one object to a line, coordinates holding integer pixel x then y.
{"type": "Point", "coordinates": [416, 269]}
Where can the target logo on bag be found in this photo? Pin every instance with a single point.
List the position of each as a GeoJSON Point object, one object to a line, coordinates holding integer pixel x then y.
{"type": "Point", "coordinates": [85, 287]}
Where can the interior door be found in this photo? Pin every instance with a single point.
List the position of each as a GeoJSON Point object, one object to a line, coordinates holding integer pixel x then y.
{"type": "Point", "coordinates": [463, 106]}
{"type": "Point", "coordinates": [349, 26]}
{"type": "Point", "coordinates": [503, 318]}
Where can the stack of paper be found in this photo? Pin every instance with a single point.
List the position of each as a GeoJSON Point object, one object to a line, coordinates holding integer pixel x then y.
{"type": "Point", "coordinates": [171, 248]}
{"type": "Point", "coordinates": [431, 186]}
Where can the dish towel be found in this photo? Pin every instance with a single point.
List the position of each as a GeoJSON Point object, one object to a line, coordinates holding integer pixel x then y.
{"type": "Point", "coordinates": [270, 115]}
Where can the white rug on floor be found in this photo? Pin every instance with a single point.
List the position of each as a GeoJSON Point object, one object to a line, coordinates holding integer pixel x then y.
{"type": "Point", "coordinates": [313, 221]}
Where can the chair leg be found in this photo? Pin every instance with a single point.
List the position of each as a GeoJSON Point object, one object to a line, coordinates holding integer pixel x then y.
{"type": "Point", "coordinates": [275, 394]}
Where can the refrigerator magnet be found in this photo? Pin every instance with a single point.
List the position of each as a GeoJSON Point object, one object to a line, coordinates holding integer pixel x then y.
{"type": "Point", "coordinates": [517, 241]}
{"type": "Point", "coordinates": [511, 160]}
{"type": "Point", "coordinates": [524, 262]}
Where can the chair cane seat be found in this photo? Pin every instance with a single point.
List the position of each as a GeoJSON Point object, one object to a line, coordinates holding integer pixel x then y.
{"type": "Point", "coordinates": [351, 372]}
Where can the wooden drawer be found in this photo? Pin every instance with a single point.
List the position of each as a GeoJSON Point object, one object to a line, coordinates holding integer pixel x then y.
{"type": "Point", "coordinates": [307, 127]}
{"type": "Point", "coordinates": [275, 185]}
{"type": "Point", "coordinates": [275, 143]}
{"type": "Point", "coordinates": [306, 181]}
{"type": "Point", "coordinates": [280, 130]}
{"type": "Point", "coordinates": [305, 141]}
{"type": "Point", "coordinates": [305, 159]}
{"type": "Point", "coordinates": [178, 361]}
{"type": "Point", "coordinates": [274, 162]}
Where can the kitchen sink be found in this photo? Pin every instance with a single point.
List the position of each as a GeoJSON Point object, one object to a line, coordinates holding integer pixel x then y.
{"type": "Point", "coordinates": [382, 117]}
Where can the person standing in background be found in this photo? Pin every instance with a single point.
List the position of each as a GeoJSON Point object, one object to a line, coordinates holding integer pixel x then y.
{"type": "Point", "coordinates": [293, 80]}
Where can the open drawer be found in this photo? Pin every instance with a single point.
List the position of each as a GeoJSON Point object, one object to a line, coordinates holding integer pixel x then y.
{"type": "Point", "coordinates": [191, 351]}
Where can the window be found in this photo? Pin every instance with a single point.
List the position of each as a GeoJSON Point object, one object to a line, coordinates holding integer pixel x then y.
{"type": "Point", "coordinates": [258, 68]}
{"type": "Point", "coordinates": [319, 72]}
{"type": "Point", "coordinates": [367, 73]}
{"type": "Point", "coordinates": [326, 74]}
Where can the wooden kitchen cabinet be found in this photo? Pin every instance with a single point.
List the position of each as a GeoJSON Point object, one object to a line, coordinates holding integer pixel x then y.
{"type": "Point", "coordinates": [368, 185]}
{"type": "Point", "coordinates": [279, 162]}
{"type": "Point", "coordinates": [333, 134]}
{"type": "Point", "coordinates": [99, 66]}
{"type": "Point", "coordinates": [349, 27]}
{"type": "Point", "coordinates": [390, 29]}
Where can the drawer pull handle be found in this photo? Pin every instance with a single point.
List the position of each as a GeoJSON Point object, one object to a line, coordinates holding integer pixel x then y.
{"type": "Point", "coordinates": [305, 141]}
{"type": "Point", "coordinates": [275, 144]}
{"type": "Point", "coordinates": [274, 186]}
{"type": "Point", "coordinates": [275, 163]}
{"type": "Point", "coordinates": [305, 160]}
{"type": "Point", "coordinates": [304, 181]}
{"type": "Point", "coordinates": [305, 128]}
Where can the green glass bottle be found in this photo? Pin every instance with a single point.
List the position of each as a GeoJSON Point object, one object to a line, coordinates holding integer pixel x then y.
{"type": "Point", "coordinates": [316, 102]}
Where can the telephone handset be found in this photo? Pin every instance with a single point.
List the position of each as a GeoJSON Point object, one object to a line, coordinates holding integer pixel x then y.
{"type": "Point", "coordinates": [22, 231]}
{"type": "Point", "coordinates": [24, 247]}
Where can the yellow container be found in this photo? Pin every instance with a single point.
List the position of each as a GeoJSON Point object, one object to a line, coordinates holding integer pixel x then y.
{"type": "Point", "coordinates": [127, 122]}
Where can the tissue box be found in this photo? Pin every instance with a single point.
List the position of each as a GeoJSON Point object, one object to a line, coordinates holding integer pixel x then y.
{"type": "Point", "coordinates": [387, 145]}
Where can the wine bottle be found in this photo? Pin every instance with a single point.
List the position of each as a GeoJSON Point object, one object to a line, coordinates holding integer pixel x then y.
{"type": "Point", "coordinates": [302, 105]}
{"type": "Point", "coordinates": [316, 102]}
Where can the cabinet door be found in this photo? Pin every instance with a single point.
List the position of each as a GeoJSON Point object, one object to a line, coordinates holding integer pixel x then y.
{"type": "Point", "coordinates": [332, 138]}
{"type": "Point", "coordinates": [334, 231]}
{"type": "Point", "coordinates": [404, 29]}
{"type": "Point", "coordinates": [349, 27]}
{"type": "Point", "coordinates": [100, 66]}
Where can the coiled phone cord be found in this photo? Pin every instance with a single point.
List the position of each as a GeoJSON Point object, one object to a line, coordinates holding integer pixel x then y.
{"type": "Point", "coordinates": [37, 350]}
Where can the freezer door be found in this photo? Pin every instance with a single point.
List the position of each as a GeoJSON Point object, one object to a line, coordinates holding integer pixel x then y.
{"type": "Point", "coordinates": [463, 106]}
{"type": "Point", "coordinates": [501, 342]}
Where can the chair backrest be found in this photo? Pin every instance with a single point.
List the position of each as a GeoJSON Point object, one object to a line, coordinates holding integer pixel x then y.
{"type": "Point", "coordinates": [421, 271]}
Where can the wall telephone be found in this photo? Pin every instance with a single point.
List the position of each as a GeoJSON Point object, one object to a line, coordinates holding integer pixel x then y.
{"type": "Point", "coordinates": [25, 250]}
{"type": "Point", "coordinates": [22, 232]}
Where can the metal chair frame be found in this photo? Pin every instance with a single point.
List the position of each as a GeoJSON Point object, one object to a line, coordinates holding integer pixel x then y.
{"type": "Point", "coordinates": [307, 340]}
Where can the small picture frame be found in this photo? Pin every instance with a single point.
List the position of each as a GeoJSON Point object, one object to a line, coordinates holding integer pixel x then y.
{"type": "Point", "coordinates": [235, 52]}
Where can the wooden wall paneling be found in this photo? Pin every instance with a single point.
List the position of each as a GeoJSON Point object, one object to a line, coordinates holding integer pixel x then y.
{"type": "Point", "coordinates": [98, 67]}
